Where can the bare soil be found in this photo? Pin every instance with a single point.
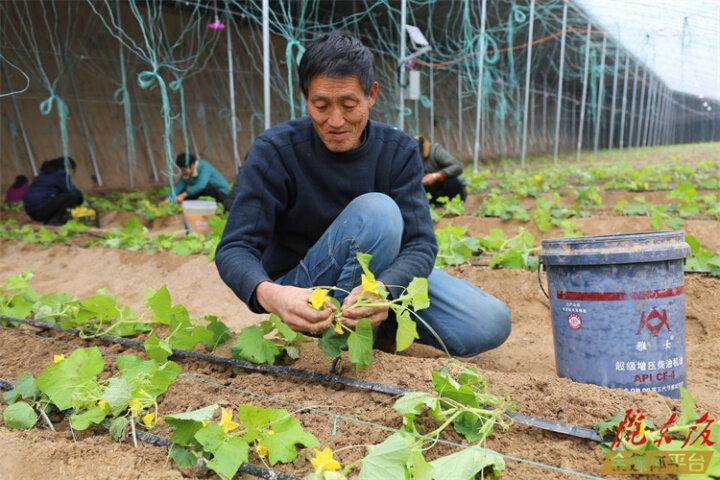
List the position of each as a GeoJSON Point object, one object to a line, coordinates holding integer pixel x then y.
{"type": "Point", "coordinates": [523, 367]}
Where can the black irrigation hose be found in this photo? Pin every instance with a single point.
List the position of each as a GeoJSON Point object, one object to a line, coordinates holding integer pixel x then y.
{"type": "Point", "coordinates": [152, 439]}
{"type": "Point", "coordinates": [232, 362]}
{"type": "Point", "coordinates": [557, 427]}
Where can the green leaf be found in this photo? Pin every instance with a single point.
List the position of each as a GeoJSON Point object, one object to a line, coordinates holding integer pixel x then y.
{"type": "Point", "coordinates": [360, 344]}
{"type": "Point", "coordinates": [688, 414]}
{"type": "Point", "coordinates": [220, 333]}
{"type": "Point", "coordinates": [406, 331]}
{"type": "Point", "coordinates": [161, 304]}
{"type": "Point", "coordinates": [25, 388]}
{"type": "Point", "coordinates": [117, 427]}
{"type": "Point", "coordinates": [387, 460]}
{"type": "Point", "coordinates": [182, 457]}
{"type": "Point", "coordinates": [413, 403]}
{"type": "Point", "coordinates": [118, 394]}
{"type": "Point", "coordinates": [19, 282]}
{"type": "Point", "coordinates": [287, 432]}
{"type": "Point", "coordinates": [81, 421]}
{"type": "Point", "coordinates": [228, 451]}
{"type": "Point", "coordinates": [20, 307]}
{"type": "Point", "coordinates": [188, 423]}
{"type": "Point", "coordinates": [19, 415]}
{"type": "Point", "coordinates": [467, 463]}
{"type": "Point", "coordinates": [147, 374]}
{"type": "Point", "coordinates": [252, 346]}
{"type": "Point", "coordinates": [157, 349]}
{"type": "Point", "coordinates": [185, 336]}
{"type": "Point", "coordinates": [283, 329]}
{"type": "Point", "coordinates": [331, 343]}
{"type": "Point", "coordinates": [418, 291]}
{"type": "Point", "coordinates": [364, 261]}
{"type": "Point", "coordinates": [60, 380]}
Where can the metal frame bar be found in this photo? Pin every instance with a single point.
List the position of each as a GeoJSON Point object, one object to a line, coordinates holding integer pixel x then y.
{"type": "Point", "coordinates": [528, 64]}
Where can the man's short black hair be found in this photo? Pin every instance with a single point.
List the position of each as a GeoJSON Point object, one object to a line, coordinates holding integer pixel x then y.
{"type": "Point", "coordinates": [337, 54]}
{"type": "Point", "coordinates": [185, 160]}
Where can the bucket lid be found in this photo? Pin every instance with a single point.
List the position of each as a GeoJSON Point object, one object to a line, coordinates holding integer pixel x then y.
{"type": "Point", "coordinates": [612, 249]}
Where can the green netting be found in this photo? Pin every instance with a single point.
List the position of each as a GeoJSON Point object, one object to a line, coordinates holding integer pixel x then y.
{"type": "Point", "coordinates": [168, 48]}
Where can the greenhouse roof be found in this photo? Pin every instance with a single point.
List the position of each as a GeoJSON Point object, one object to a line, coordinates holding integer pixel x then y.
{"type": "Point", "coordinates": [679, 40]}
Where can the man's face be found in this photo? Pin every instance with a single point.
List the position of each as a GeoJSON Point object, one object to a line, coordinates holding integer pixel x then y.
{"type": "Point", "coordinates": [339, 110]}
{"type": "Point", "coordinates": [186, 171]}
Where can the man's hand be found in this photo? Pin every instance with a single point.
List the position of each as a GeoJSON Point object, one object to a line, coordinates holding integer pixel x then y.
{"type": "Point", "coordinates": [291, 304]}
{"type": "Point", "coordinates": [180, 197]}
{"type": "Point", "coordinates": [350, 316]}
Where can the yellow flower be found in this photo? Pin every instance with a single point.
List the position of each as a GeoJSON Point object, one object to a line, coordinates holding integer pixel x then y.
{"type": "Point", "coordinates": [103, 405]}
{"type": "Point", "coordinates": [537, 177]}
{"type": "Point", "coordinates": [270, 432]}
{"type": "Point", "coordinates": [368, 284]}
{"type": "Point", "coordinates": [149, 419]}
{"type": "Point", "coordinates": [135, 407]}
{"type": "Point", "coordinates": [324, 461]}
{"type": "Point", "coordinates": [318, 297]}
{"type": "Point", "coordinates": [58, 358]}
{"type": "Point", "coordinates": [338, 328]}
{"type": "Point", "coordinates": [226, 421]}
{"type": "Point", "coordinates": [261, 449]}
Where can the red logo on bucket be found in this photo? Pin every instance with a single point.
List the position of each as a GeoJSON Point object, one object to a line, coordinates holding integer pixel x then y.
{"type": "Point", "coordinates": [574, 321]}
{"type": "Point", "coordinates": [654, 327]}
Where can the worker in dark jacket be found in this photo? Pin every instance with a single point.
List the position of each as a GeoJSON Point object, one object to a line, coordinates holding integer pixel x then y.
{"type": "Point", "coordinates": [443, 173]}
{"type": "Point", "coordinates": [199, 179]}
{"type": "Point", "coordinates": [52, 193]}
{"type": "Point", "coordinates": [317, 190]}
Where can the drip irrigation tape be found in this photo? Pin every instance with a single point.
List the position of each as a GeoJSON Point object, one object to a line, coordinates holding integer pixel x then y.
{"type": "Point", "coordinates": [232, 362]}
{"type": "Point", "coordinates": [557, 427]}
{"type": "Point", "coordinates": [152, 439]}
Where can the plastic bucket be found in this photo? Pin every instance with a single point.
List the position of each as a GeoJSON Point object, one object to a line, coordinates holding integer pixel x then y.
{"type": "Point", "coordinates": [197, 214]}
{"type": "Point", "coordinates": [618, 310]}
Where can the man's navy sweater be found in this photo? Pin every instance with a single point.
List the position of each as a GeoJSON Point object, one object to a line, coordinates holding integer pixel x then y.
{"type": "Point", "coordinates": [292, 188]}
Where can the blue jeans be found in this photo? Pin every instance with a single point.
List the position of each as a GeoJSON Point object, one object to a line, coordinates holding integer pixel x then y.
{"type": "Point", "coordinates": [468, 320]}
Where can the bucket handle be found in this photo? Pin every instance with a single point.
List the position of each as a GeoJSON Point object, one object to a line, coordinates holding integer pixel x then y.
{"type": "Point", "coordinates": [542, 287]}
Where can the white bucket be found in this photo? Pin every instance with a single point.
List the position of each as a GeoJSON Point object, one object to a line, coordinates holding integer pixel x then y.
{"type": "Point", "coordinates": [197, 214]}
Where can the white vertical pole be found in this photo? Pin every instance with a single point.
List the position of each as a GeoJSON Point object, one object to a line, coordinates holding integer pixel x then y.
{"type": "Point", "coordinates": [584, 93]}
{"type": "Point", "coordinates": [601, 93]}
{"type": "Point", "coordinates": [231, 83]}
{"type": "Point", "coordinates": [614, 94]}
{"type": "Point", "coordinates": [632, 109]}
{"type": "Point", "coordinates": [641, 109]}
{"type": "Point", "coordinates": [266, 61]}
{"type": "Point", "coordinates": [126, 108]}
{"type": "Point", "coordinates": [481, 64]}
{"type": "Point", "coordinates": [624, 103]}
{"type": "Point", "coordinates": [403, 19]}
{"type": "Point", "coordinates": [558, 111]}
{"type": "Point", "coordinates": [527, 83]}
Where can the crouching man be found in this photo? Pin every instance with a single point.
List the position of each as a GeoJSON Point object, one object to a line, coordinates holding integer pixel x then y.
{"type": "Point", "coordinates": [317, 190]}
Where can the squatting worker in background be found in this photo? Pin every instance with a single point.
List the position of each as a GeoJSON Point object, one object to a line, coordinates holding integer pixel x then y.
{"type": "Point", "coordinates": [443, 172]}
{"type": "Point", "coordinates": [317, 190]}
{"type": "Point", "coordinates": [199, 179]}
{"type": "Point", "coordinates": [52, 193]}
